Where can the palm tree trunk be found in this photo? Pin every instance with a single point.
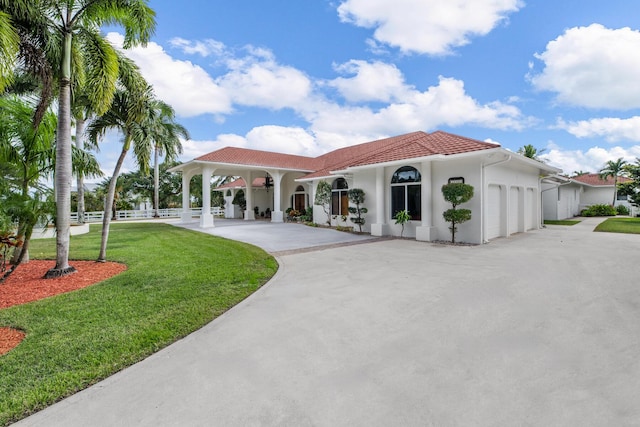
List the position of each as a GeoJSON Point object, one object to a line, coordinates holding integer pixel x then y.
{"type": "Point", "coordinates": [80, 178]}
{"type": "Point", "coordinates": [63, 168]}
{"type": "Point", "coordinates": [156, 182]}
{"type": "Point", "coordinates": [108, 202]}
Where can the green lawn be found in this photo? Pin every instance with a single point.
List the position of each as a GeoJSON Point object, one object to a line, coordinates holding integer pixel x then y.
{"type": "Point", "coordinates": [177, 281]}
{"type": "Point", "coordinates": [561, 222]}
{"type": "Point", "coordinates": [620, 225]}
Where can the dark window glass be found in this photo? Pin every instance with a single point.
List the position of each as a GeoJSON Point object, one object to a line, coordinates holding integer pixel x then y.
{"type": "Point", "coordinates": [406, 174]}
{"type": "Point", "coordinates": [405, 193]}
{"type": "Point", "coordinates": [397, 199]}
{"type": "Point", "coordinates": [335, 203]}
{"type": "Point", "coordinates": [413, 202]}
{"type": "Point", "coordinates": [339, 184]}
{"type": "Point", "coordinates": [339, 198]}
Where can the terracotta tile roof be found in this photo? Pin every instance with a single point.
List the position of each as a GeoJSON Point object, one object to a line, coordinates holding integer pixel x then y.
{"type": "Point", "coordinates": [595, 180]}
{"type": "Point", "coordinates": [243, 156]}
{"type": "Point", "coordinates": [407, 146]}
{"type": "Point", "coordinates": [258, 182]}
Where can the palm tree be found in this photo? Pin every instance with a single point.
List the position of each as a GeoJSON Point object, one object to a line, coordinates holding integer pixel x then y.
{"type": "Point", "coordinates": [531, 152]}
{"type": "Point", "coordinates": [613, 169]}
{"type": "Point", "coordinates": [142, 131]}
{"type": "Point", "coordinates": [68, 37]}
{"type": "Point", "coordinates": [578, 173]}
{"type": "Point", "coordinates": [129, 78]}
{"type": "Point", "coordinates": [29, 156]}
{"type": "Point", "coordinates": [166, 134]}
{"type": "Point", "coordinates": [9, 47]}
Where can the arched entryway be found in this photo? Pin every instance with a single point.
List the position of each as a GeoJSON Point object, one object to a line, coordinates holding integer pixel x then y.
{"type": "Point", "coordinates": [300, 199]}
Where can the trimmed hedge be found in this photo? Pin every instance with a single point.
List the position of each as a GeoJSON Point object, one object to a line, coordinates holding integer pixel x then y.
{"type": "Point", "coordinates": [599, 210]}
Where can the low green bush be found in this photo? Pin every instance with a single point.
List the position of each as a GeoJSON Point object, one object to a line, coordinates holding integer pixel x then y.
{"type": "Point", "coordinates": [599, 210]}
{"type": "Point", "coordinates": [622, 210]}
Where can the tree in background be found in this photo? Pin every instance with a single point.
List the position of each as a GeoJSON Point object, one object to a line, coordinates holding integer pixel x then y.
{"type": "Point", "coordinates": [531, 152]}
{"type": "Point", "coordinates": [456, 193]}
{"type": "Point", "coordinates": [632, 188]}
{"type": "Point", "coordinates": [166, 135]}
{"type": "Point", "coordinates": [323, 198]}
{"type": "Point", "coordinates": [614, 169]}
{"type": "Point", "coordinates": [579, 173]}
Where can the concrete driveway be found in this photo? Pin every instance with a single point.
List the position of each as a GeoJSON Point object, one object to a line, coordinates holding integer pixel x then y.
{"type": "Point", "coordinates": [540, 329]}
{"type": "Point", "coordinates": [277, 237]}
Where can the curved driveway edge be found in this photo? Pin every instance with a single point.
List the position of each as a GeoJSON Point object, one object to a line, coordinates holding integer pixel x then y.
{"type": "Point", "coordinates": [540, 329]}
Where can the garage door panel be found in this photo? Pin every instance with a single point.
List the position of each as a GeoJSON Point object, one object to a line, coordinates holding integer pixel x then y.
{"type": "Point", "coordinates": [494, 220]}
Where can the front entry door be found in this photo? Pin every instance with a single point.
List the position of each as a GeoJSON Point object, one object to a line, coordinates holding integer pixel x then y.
{"type": "Point", "coordinates": [299, 202]}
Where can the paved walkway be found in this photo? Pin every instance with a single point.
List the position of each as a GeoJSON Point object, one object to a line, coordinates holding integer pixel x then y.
{"type": "Point", "coordinates": [540, 329]}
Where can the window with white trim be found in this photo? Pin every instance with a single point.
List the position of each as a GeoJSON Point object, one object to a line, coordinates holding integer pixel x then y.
{"type": "Point", "coordinates": [339, 197]}
{"type": "Point", "coordinates": [406, 191]}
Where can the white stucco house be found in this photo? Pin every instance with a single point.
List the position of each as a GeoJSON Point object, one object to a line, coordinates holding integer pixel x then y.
{"type": "Point", "coordinates": [564, 197]}
{"type": "Point", "coordinates": [397, 173]}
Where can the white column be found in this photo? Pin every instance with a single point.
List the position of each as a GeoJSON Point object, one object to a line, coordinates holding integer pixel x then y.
{"type": "Point", "coordinates": [425, 231]}
{"type": "Point", "coordinates": [185, 216]}
{"type": "Point", "coordinates": [276, 214]}
{"type": "Point", "coordinates": [206, 219]}
{"type": "Point", "coordinates": [248, 196]}
{"type": "Point", "coordinates": [379, 228]}
{"type": "Point", "coordinates": [229, 207]}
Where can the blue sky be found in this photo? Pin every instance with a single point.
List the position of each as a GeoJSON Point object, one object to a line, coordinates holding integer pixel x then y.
{"type": "Point", "coordinates": [307, 77]}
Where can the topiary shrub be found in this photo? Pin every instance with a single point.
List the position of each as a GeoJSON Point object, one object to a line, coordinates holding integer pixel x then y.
{"type": "Point", "coordinates": [599, 210]}
{"type": "Point", "coordinates": [456, 193]}
{"type": "Point", "coordinates": [356, 196]}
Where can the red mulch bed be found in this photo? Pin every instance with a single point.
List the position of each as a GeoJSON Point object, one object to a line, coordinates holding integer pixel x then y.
{"type": "Point", "coordinates": [26, 284]}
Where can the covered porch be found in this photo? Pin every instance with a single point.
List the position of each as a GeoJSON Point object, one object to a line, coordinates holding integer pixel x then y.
{"type": "Point", "coordinates": [272, 190]}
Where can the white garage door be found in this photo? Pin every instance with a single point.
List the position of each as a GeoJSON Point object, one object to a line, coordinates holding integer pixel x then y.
{"type": "Point", "coordinates": [531, 210]}
{"type": "Point", "coordinates": [494, 221]}
{"type": "Point", "coordinates": [514, 210]}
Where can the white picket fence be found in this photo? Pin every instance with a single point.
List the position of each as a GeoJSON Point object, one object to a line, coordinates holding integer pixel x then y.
{"type": "Point", "coordinates": [144, 214]}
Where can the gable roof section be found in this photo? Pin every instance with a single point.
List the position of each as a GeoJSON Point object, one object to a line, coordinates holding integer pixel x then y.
{"type": "Point", "coordinates": [244, 156]}
{"type": "Point", "coordinates": [402, 147]}
{"type": "Point", "coordinates": [594, 180]}
{"type": "Point", "coordinates": [408, 146]}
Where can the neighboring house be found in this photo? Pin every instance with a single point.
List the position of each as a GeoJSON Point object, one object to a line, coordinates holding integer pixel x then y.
{"type": "Point", "coordinates": [564, 197]}
{"type": "Point", "coordinates": [397, 173]}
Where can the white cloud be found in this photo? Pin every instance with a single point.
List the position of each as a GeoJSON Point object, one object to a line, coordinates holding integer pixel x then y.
{"type": "Point", "coordinates": [203, 48]}
{"type": "Point", "coordinates": [259, 81]}
{"type": "Point", "coordinates": [611, 128]}
{"type": "Point", "coordinates": [433, 27]}
{"type": "Point", "coordinates": [372, 81]}
{"type": "Point", "coordinates": [444, 104]}
{"type": "Point", "coordinates": [196, 148]}
{"type": "Point", "coordinates": [593, 67]}
{"type": "Point", "coordinates": [281, 139]}
{"type": "Point", "coordinates": [591, 160]}
{"type": "Point", "coordinates": [187, 87]}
